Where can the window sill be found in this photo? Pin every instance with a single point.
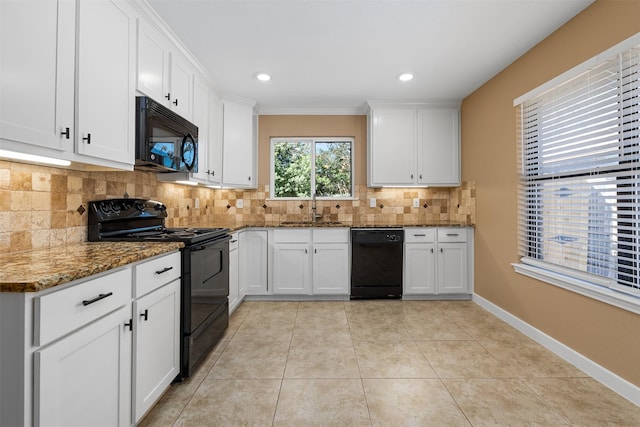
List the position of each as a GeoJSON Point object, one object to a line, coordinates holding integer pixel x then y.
{"type": "Point", "coordinates": [307, 199]}
{"type": "Point", "coordinates": [600, 293]}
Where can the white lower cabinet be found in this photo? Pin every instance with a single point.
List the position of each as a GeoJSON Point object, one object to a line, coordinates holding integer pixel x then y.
{"type": "Point", "coordinates": [156, 345]}
{"type": "Point", "coordinates": [95, 352]}
{"type": "Point", "coordinates": [252, 274]}
{"type": "Point", "coordinates": [234, 282]}
{"type": "Point", "coordinates": [84, 379]}
{"type": "Point", "coordinates": [291, 272]}
{"type": "Point", "coordinates": [437, 261]}
{"type": "Point", "coordinates": [310, 261]}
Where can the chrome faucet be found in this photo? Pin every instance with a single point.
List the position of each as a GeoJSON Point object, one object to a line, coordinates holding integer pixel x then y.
{"type": "Point", "coordinates": [314, 214]}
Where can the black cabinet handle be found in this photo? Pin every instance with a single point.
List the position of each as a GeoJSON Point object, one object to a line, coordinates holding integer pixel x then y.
{"type": "Point", "coordinates": [129, 324]}
{"type": "Point", "coordinates": [441, 250]}
{"type": "Point", "coordinates": [168, 96]}
{"type": "Point", "coordinates": [164, 270]}
{"type": "Point", "coordinates": [233, 241]}
{"type": "Point", "coordinates": [249, 178]}
{"type": "Point", "coordinates": [66, 133]}
{"type": "Point", "coordinates": [452, 234]}
{"type": "Point", "coordinates": [98, 298]}
{"type": "Point", "coordinates": [411, 176]}
{"type": "Point", "coordinates": [420, 235]}
{"type": "Point", "coordinates": [87, 138]}
{"type": "Point", "coordinates": [145, 315]}
{"type": "Point", "coordinates": [431, 250]}
{"type": "Point", "coordinates": [175, 102]}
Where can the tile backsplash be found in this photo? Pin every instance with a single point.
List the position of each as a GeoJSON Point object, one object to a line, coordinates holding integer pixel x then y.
{"type": "Point", "coordinates": [44, 207]}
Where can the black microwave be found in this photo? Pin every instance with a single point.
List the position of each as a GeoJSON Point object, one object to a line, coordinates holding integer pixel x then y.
{"type": "Point", "coordinates": [165, 141]}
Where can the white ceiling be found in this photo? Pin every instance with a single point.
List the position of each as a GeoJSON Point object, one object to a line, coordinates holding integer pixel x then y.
{"type": "Point", "coordinates": [333, 55]}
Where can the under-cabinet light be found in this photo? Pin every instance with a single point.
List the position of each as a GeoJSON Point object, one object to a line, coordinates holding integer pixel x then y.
{"type": "Point", "coordinates": [405, 77]}
{"type": "Point", "coordinates": [32, 158]}
{"type": "Point", "coordinates": [187, 183]}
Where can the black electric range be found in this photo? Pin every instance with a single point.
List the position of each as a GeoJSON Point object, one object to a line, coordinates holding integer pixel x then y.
{"type": "Point", "coordinates": [204, 314]}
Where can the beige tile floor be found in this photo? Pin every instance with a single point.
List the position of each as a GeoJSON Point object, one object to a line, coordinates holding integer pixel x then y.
{"type": "Point", "coordinates": [384, 363]}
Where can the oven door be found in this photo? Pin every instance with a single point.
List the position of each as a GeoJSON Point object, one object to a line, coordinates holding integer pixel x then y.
{"type": "Point", "coordinates": [208, 284]}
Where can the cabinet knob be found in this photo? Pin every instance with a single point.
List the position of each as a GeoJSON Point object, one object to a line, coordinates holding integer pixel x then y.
{"type": "Point", "coordinates": [66, 133]}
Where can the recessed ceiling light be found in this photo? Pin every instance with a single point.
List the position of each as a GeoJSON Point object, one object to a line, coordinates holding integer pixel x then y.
{"type": "Point", "coordinates": [263, 77]}
{"type": "Point", "coordinates": [405, 77]}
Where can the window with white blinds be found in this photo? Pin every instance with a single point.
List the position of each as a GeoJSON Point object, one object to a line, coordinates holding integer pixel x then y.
{"type": "Point", "coordinates": [579, 207]}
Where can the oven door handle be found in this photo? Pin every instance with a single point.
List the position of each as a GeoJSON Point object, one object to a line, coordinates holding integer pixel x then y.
{"type": "Point", "coordinates": [197, 248]}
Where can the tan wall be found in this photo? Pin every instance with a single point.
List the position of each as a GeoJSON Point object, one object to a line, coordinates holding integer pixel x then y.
{"type": "Point", "coordinates": [605, 334]}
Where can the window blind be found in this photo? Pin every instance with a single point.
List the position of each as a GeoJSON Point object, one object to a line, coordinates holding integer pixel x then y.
{"type": "Point", "coordinates": [579, 161]}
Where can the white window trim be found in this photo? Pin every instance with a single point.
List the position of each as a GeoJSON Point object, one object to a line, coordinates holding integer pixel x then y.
{"type": "Point", "coordinates": [311, 139]}
{"type": "Point", "coordinates": [582, 287]}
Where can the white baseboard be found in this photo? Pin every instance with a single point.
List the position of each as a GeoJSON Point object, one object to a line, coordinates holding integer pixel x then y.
{"type": "Point", "coordinates": [616, 383]}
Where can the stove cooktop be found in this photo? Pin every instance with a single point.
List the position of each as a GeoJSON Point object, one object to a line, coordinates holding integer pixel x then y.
{"type": "Point", "coordinates": [141, 220]}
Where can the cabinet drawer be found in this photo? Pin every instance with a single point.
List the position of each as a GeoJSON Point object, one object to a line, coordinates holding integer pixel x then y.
{"type": "Point", "coordinates": [331, 235]}
{"type": "Point", "coordinates": [233, 243]}
{"type": "Point", "coordinates": [61, 312]}
{"type": "Point", "coordinates": [152, 274]}
{"type": "Point", "coordinates": [419, 235]}
{"type": "Point", "coordinates": [300, 235]}
{"type": "Point", "coordinates": [452, 235]}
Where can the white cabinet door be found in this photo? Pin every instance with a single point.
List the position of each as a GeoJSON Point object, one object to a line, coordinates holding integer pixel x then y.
{"type": "Point", "coordinates": [331, 268]}
{"type": "Point", "coordinates": [153, 63]}
{"type": "Point", "coordinates": [201, 119]}
{"type": "Point", "coordinates": [419, 268]}
{"type": "Point", "coordinates": [181, 86]}
{"type": "Point", "coordinates": [438, 146]}
{"type": "Point", "coordinates": [105, 80]}
{"type": "Point", "coordinates": [253, 263]}
{"type": "Point", "coordinates": [157, 344]}
{"type": "Point", "coordinates": [291, 269]}
{"type": "Point", "coordinates": [214, 146]}
{"type": "Point", "coordinates": [37, 47]}
{"type": "Point", "coordinates": [452, 268]}
{"type": "Point", "coordinates": [239, 145]}
{"type": "Point", "coordinates": [85, 378]}
{"type": "Point", "coordinates": [392, 146]}
{"type": "Point", "coordinates": [234, 284]}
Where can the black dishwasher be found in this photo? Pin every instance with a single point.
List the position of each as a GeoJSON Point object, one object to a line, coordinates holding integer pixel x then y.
{"type": "Point", "coordinates": [376, 263]}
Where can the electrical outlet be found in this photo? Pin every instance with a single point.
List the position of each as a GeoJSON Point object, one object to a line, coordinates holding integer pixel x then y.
{"type": "Point", "coordinates": [416, 203]}
{"type": "Point", "coordinates": [240, 203]}
{"type": "Point", "coordinates": [196, 203]}
{"type": "Point", "coordinates": [372, 202]}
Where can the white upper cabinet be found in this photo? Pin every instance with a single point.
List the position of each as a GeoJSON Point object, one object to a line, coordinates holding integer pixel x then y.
{"type": "Point", "coordinates": [239, 144]}
{"type": "Point", "coordinates": [37, 74]}
{"type": "Point", "coordinates": [392, 147]}
{"type": "Point", "coordinates": [413, 145]}
{"type": "Point", "coordinates": [439, 146]}
{"type": "Point", "coordinates": [163, 73]}
{"type": "Point", "coordinates": [106, 62]}
{"type": "Point", "coordinates": [214, 145]}
{"type": "Point", "coordinates": [201, 119]}
{"type": "Point", "coordinates": [154, 54]}
{"type": "Point", "coordinates": [59, 104]}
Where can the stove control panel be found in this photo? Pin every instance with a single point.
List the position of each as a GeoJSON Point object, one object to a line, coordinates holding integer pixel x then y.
{"type": "Point", "coordinates": [112, 209]}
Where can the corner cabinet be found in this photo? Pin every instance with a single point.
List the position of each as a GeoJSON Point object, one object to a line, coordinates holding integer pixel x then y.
{"type": "Point", "coordinates": [438, 262]}
{"type": "Point", "coordinates": [239, 143]}
{"type": "Point", "coordinates": [413, 145]}
{"type": "Point", "coordinates": [252, 263]}
{"type": "Point", "coordinates": [81, 108]}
